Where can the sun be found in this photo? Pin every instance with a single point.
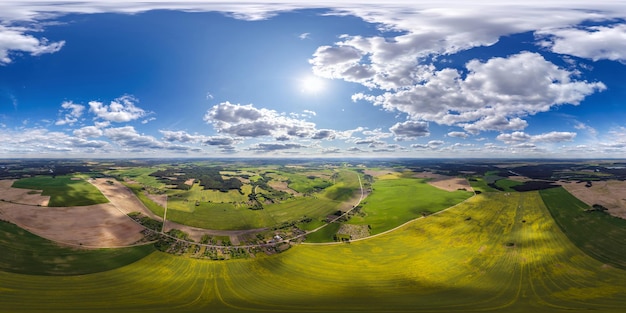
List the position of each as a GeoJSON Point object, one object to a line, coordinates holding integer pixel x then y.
{"type": "Point", "coordinates": [312, 84]}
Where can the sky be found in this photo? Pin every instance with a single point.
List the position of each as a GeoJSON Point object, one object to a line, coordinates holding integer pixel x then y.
{"type": "Point", "coordinates": [296, 79]}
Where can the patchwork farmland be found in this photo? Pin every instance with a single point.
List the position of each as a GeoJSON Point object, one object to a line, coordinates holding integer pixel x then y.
{"type": "Point", "coordinates": [501, 251]}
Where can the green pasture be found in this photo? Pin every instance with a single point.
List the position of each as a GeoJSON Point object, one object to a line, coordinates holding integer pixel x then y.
{"type": "Point", "coordinates": [297, 208]}
{"type": "Point", "coordinates": [226, 216]}
{"type": "Point", "coordinates": [346, 184]}
{"type": "Point", "coordinates": [325, 234]}
{"type": "Point", "coordinates": [493, 253]}
{"type": "Point", "coordinates": [186, 200]}
{"type": "Point", "coordinates": [480, 184]}
{"type": "Point", "coordinates": [140, 175]}
{"type": "Point", "coordinates": [63, 190]}
{"type": "Point", "coordinates": [306, 182]}
{"type": "Point", "coordinates": [598, 234]}
{"type": "Point", "coordinates": [507, 184]}
{"type": "Point", "coordinates": [398, 200]}
{"type": "Point", "coordinates": [25, 253]}
{"type": "Point", "coordinates": [223, 216]}
{"type": "Point", "coordinates": [138, 190]}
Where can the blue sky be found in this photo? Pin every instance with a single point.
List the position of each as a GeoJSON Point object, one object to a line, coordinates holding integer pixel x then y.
{"type": "Point", "coordinates": [539, 79]}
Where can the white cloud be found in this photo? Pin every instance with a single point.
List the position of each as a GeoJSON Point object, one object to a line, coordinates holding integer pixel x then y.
{"type": "Point", "coordinates": [554, 137]}
{"type": "Point", "coordinates": [44, 142]}
{"type": "Point", "coordinates": [120, 110]}
{"type": "Point", "coordinates": [71, 112]}
{"type": "Point", "coordinates": [458, 134]}
{"type": "Point", "coordinates": [432, 145]}
{"type": "Point", "coordinates": [88, 131]}
{"type": "Point", "coordinates": [127, 137]}
{"type": "Point", "coordinates": [514, 137]}
{"type": "Point", "coordinates": [248, 121]}
{"type": "Point", "coordinates": [268, 147]}
{"type": "Point", "coordinates": [16, 40]}
{"type": "Point", "coordinates": [593, 42]}
{"type": "Point", "coordinates": [494, 95]}
{"type": "Point", "coordinates": [182, 136]}
{"type": "Point", "coordinates": [410, 130]}
{"type": "Point", "coordinates": [522, 137]}
{"type": "Point", "coordinates": [582, 126]}
{"type": "Point", "coordinates": [304, 35]}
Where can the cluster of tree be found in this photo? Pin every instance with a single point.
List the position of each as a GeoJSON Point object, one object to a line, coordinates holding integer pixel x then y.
{"type": "Point", "coordinates": [270, 194]}
{"type": "Point", "coordinates": [535, 185]}
{"type": "Point", "coordinates": [209, 177]}
{"type": "Point", "coordinates": [597, 208]}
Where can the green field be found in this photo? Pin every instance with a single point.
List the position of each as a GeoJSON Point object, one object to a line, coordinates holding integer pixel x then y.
{"type": "Point", "coordinates": [25, 253]}
{"type": "Point", "coordinates": [63, 190]}
{"type": "Point", "coordinates": [396, 200]}
{"type": "Point", "coordinates": [479, 184]}
{"type": "Point", "coordinates": [140, 175]}
{"type": "Point", "coordinates": [597, 233]}
{"type": "Point", "coordinates": [226, 216]}
{"type": "Point", "coordinates": [345, 186]}
{"type": "Point", "coordinates": [303, 183]}
{"type": "Point", "coordinates": [186, 200]}
{"type": "Point", "coordinates": [507, 184]}
{"type": "Point", "coordinates": [509, 256]}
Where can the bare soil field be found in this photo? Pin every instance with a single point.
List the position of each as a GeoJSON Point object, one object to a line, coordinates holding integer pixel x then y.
{"type": "Point", "coordinates": [520, 179]}
{"type": "Point", "coordinates": [95, 226]}
{"type": "Point", "coordinates": [21, 196]}
{"type": "Point", "coordinates": [122, 197]}
{"type": "Point", "coordinates": [283, 186]}
{"type": "Point", "coordinates": [610, 194]}
{"type": "Point", "coordinates": [447, 183]}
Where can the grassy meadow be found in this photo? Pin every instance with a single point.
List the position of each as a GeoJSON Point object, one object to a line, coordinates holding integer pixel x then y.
{"type": "Point", "coordinates": [396, 200]}
{"type": "Point", "coordinates": [494, 252]}
{"type": "Point", "coordinates": [63, 190]}
{"type": "Point", "coordinates": [186, 200]}
{"type": "Point", "coordinates": [227, 216]}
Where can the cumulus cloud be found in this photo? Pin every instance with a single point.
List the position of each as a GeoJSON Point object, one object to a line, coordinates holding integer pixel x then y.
{"type": "Point", "coordinates": [331, 150]}
{"type": "Point", "coordinates": [268, 147]}
{"type": "Point", "coordinates": [521, 137]}
{"type": "Point", "coordinates": [593, 42]}
{"type": "Point", "coordinates": [410, 130]}
{"type": "Point", "coordinates": [432, 145]}
{"type": "Point", "coordinates": [223, 142]}
{"type": "Point", "coordinates": [16, 40]}
{"type": "Point", "coordinates": [44, 142]}
{"type": "Point", "coordinates": [248, 121]}
{"type": "Point", "coordinates": [493, 95]}
{"type": "Point", "coordinates": [127, 137]}
{"type": "Point", "coordinates": [88, 131]}
{"type": "Point", "coordinates": [327, 134]}
{"type": "Point", "coordinates": [71, 112]}
{"type": "Point", "coordinates": [458, 135]}
{"type": "Point", "coordinates": [120, 110]}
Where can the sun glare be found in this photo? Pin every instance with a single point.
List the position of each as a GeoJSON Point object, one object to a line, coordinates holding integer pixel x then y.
{"type": "Point", "coordinates": [312, 84]}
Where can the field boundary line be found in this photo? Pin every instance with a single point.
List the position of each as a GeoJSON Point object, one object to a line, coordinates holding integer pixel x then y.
{"type": "Point", "coordinates": [390, 230]}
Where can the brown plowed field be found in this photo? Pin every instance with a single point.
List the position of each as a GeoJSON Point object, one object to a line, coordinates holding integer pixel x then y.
{"type": "Point", "coordinates": [610, 194]}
